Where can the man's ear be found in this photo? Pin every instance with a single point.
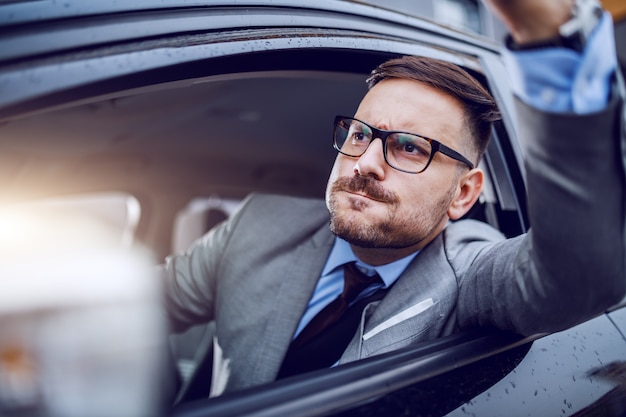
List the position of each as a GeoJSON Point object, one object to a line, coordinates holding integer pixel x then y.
{"type": "Point", "coordinates": [469, 188]}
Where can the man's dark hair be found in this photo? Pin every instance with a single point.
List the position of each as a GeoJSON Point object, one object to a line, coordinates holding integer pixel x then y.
{"type": "Point", "coordinates": [480, 108]}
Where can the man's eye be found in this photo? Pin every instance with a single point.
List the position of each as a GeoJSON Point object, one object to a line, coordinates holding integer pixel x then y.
{"type": "Point", "coordinates": [406, 147]}
{"type": "Point", "coordinates": [410, 148]}
{"type": "Point", "coordinates": [358, 136]}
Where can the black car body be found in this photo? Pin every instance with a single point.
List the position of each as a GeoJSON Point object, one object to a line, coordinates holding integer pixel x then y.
{"type": "Point", "coordinates": [170, 101]}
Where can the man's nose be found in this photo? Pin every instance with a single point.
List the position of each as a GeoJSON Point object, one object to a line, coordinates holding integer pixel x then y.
{"type": "Point", "coordinates": [372, 162]}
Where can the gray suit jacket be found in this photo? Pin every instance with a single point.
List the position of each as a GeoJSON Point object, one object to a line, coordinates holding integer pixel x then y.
{"type": "Point", "coordinates": [255, 274]}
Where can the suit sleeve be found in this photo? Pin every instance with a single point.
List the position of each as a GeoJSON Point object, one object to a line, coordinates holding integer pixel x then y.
{"type": "Point", "coordinates": [570, 266]}
{"type": "Point", "coordinates": [190, 278]}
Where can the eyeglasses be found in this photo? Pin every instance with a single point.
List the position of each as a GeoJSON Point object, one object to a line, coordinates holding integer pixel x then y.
{"type": "Point", "coordinates": [406, 152]}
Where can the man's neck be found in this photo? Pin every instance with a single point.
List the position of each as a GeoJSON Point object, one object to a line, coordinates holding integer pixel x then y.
{"type": "Point", "coordinates": [383, 256]}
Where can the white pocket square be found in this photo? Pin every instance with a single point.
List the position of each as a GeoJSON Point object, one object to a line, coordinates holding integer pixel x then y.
{"type": "Point", "coordinates": [400, 317]}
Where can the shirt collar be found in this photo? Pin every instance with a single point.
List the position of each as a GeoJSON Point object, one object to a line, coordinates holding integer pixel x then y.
{"type": "Point", "coordinates": [342, 253]}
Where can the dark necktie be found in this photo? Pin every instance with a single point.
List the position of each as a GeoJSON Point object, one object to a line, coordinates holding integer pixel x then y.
{"type": "Point", "coordinates": [322, 342]}
{"type": "Point", "coordinates": [355, 282]}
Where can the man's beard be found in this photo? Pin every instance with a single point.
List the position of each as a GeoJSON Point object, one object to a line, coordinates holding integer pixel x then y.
{"type": "Point", "coordinates": [399, 230]}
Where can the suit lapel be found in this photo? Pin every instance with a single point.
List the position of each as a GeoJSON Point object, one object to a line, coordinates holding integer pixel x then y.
{"type": "Point", "coordinates": [301, 272]}
{"type": "Point", "coordinates": [415, 309]}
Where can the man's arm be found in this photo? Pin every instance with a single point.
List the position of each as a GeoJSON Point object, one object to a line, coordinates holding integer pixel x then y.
{"type": "Point", "coordinates": [190, 278]}
{"type": "Point", "coordinates": [571, 264]}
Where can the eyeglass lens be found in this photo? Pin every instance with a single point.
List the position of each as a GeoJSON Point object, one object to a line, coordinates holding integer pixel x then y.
{"type": "Point", "coordinates": [403, 151]}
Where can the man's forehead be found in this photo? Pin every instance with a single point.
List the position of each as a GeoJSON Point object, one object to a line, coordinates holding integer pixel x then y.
{"type": "Point", "coordinates": [412, 106]}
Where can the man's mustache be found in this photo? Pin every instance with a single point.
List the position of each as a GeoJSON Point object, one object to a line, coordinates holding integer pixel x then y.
{"type": "Point", "coordinates": [366, 185]}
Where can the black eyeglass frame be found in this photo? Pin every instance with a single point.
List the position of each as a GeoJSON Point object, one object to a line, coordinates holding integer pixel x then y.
{"type": "Point", "coordinates": [381, 134]}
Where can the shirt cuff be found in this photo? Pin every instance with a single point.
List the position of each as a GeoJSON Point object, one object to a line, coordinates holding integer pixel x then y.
{"type": "Point", "coordinates": [562, 80]}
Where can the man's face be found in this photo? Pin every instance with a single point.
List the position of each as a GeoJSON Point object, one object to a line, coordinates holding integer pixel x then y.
{"type": "Point", "coordinates": [373, 205]}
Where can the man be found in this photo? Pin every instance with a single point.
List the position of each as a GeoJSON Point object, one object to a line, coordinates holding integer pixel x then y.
{"type": "Point", "coordinates": [406, 167]}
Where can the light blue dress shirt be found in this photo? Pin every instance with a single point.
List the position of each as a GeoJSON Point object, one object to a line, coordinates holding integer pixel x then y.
{"type": "Point", "coordinates": [330, 284]}
{"type": "Point", "coordinates": [562, 80]}
{"type": "Point", "coordinates": [558, 80]}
